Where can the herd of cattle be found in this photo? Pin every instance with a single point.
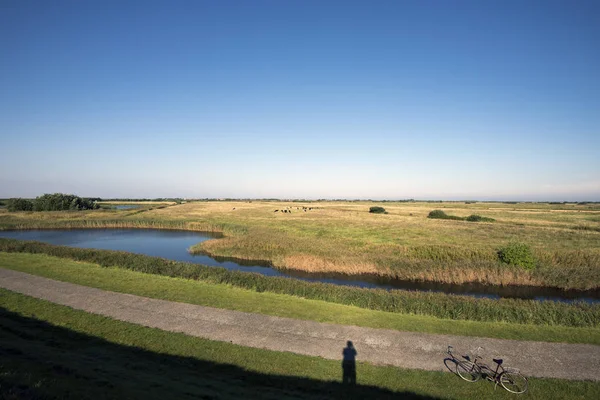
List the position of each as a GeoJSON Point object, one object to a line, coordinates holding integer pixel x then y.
{"type": "Point", "coordinates": [289, 209]}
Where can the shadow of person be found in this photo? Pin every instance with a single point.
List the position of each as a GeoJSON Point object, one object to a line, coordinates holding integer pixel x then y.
{"type": "Point", "coordinates": [349, 364]}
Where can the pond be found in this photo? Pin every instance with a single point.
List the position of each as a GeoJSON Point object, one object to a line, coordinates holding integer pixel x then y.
{"type": "Point", "coordinates": [126, 206]}
{"type": "Point", "coordinates": [173, 245]}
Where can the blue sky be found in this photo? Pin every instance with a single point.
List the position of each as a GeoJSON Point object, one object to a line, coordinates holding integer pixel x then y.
{"type": "Point", "coordinates": [301, 99]}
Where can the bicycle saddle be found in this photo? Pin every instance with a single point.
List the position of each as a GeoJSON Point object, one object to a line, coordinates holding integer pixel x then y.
{"type": "Point", "coordinates": [498, 361]}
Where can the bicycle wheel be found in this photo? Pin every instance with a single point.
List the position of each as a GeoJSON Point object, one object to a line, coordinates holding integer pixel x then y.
{"type": "Point", "coordinates": [469, 371]}
{"type": "Point", "coordinates": [514, 382]}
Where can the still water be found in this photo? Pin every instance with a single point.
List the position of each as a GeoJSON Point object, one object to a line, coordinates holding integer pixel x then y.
{"type": "Point", "coordinates": [126, 206]}
{"type": "Point", "coordinates": [173, 245]}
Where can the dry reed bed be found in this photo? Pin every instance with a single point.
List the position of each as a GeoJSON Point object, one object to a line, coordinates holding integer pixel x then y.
{"type": "Point", "coordinates": [566, 269]}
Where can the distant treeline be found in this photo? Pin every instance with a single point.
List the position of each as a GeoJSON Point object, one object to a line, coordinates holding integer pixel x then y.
{"type": "Point", "coordinates": [53, 202]}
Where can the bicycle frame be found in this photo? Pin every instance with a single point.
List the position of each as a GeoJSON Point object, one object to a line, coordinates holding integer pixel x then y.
{"type": "Point", "coordinates": [484, 369]}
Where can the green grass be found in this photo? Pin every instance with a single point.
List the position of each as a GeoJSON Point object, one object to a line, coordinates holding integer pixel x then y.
{"type": "Point", "coordinates": [224, 296]}
{"type": "Point", "coordinates": [439, 305]}
{"type": "Point", "coordinates": [344, 237]}
{"type": "Point", "coordinates": [54, 351]}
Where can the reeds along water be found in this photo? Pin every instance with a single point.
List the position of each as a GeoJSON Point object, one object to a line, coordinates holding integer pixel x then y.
{"type": "Point", "coordinates": [566, 269]}
{"type": "Point", "coordinates": [399, 301]}
{"type": "Point", "coordinates": [113, 224]}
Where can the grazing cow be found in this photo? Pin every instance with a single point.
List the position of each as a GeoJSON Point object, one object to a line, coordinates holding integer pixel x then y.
{"type": "Point", "coordinates": [234, 208]}
{"type": "Point", "coordinates": [275, 210]}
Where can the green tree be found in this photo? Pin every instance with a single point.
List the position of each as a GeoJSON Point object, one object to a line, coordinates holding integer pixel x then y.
{"type": "Point", "coordinates": [19, 205]}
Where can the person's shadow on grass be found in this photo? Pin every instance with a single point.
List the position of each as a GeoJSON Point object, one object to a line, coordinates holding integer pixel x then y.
{"type": "Point", "coordinates": [349, 364]}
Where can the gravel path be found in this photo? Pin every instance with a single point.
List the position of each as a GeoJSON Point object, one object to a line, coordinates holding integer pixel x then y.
{"type": "Point", "coordinates": [378, 346]}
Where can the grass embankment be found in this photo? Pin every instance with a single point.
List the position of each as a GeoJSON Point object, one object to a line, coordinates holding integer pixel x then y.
{"type": "Point", "coordinates": [344, 237]}
{"type": "Point", "coordinates": [438, 305]}
{"type": "Point", "coordinates": [225, 296]}
{"type": "Point", "coordinates": [53, 351]}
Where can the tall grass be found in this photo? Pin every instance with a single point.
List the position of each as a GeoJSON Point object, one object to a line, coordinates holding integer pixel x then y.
{"type": "Point", "coordinates": [439, 305]}
{"type": "Point", "coordinates": [343, 237]}
{"type": "Point", "coordinates": [113, 224]}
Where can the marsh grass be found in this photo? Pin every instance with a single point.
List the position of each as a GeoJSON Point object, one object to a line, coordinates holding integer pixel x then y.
{"type": "Point", "coordinates": [343, 237]}
{"type": "Point", "coordinates": [282, 305]}
{"type": "Point", "coordinates": [438, 305]}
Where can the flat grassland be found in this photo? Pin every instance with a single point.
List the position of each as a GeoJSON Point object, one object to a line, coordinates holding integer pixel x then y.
{"type": "Point", "coordinates": [53, 351]}
{"type": "Point", "coordinates": [343, 237]}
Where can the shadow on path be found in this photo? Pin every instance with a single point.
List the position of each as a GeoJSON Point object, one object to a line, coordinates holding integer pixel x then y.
{"type": "Point", "coordinates": [40, 360]}
{"type": "Point", "coordinates": [349, 364]}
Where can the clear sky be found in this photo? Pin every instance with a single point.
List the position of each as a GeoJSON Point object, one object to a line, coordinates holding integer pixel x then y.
{"type": "Point", "coordinates": [301, 99]}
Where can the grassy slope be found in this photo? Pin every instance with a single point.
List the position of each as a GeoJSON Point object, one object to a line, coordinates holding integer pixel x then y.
{"type": "Point", "coordinates": [52, 350]}
{"type": "Point", "coordinates": [344, 237]}
{"type": "Point", "coordinates": [222, 296]}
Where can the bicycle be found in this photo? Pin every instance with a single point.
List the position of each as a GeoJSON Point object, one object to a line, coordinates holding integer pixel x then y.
{"type": "Point", "coordinates": [471, 371]}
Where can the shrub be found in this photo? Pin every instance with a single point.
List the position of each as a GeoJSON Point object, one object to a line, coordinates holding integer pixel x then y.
{"type": "Point", "coordinates": [517, 254]}
{"type": "Point", "coordinates": [479, 218]}
{"type": "Point", "coordinates": [63, 202]}
{"type": "Point", "coordinates": [20, 205]}
{"type": "Point", "coordinates": [439, 214]}
{"type": "Point", "coordinates": [377, 210]}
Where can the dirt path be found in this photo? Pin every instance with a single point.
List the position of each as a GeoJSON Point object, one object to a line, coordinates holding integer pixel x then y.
{"type": "Point", "coordinates": [378, 346]}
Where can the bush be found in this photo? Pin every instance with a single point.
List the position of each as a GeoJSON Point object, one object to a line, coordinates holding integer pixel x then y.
{"type": "Point", "coordinates": [479, 218]}
{"type": "Point", "coordinates": [377, 210]}
{"type": "Point", "coordinates": [19, 205]}
{"type": "Point", "coordinates": [63, 202]}
{"type": "Point", "coordinates": [517, 254]}
{"type": "Point", "coordinates": [439, 214]}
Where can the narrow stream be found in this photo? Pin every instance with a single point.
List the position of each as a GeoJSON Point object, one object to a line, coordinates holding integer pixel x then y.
{"type": "Point", "coordinates": [173, 245]}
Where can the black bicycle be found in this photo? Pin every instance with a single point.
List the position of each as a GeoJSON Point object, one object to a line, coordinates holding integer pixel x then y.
{"type": "Point", "coordinates": [472, 370]}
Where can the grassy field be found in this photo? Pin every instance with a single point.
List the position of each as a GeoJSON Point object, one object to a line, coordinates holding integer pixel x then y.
{"type": "Point", "coordinates": [440, 305]}
{"type": "Point", "coordinates": [48, 350]}
{"type": "Point", "coordinates": [344, 237]}
{"type": "Point", "coordinates": [52, 351]}
{"type": "Point", "coordinates": [225, 296]}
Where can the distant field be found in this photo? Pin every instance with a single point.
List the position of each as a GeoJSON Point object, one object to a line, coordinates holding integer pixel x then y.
{"type": "Point", "coordinates": [344, 237]}
{"type": "Point", "coordinates": [136, 202]}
